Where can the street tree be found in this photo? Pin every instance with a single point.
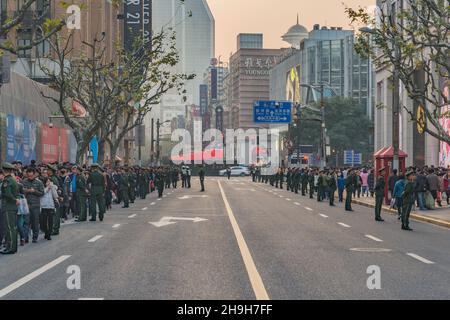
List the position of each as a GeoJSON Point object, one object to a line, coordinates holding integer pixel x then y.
{"type": "Point", "coordinates": [347, 125]}
{"type": "Point", "coordinates": [25, 16]}
{"type": "Point", "coordinates": [415, 42]}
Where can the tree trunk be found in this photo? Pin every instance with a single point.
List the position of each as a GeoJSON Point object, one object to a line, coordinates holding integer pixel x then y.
{"type": "Point", "coordinates": [113, 146]}
{"type": "Point", "coordinates": [81, 151]}
{"type": "Point", "coordinates": [101, 151]}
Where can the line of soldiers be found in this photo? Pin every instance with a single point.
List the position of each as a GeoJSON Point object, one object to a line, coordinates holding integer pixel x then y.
{"type": "Point", "coordinates": [324, 183]}
{"type": "Point", "coordinates": [79, 190]}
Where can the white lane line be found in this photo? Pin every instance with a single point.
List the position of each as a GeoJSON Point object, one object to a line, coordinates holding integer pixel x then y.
{"type": "Point", "coordinates": [323, 215]}
{"type": "Point", "coordinates": [164, 196]}
{"type": "Point", "coordinates": [159, 199]}
{"type": "Point", "coordinates": [145, 208]}
{"type": "Point", "coordinates": [415, 256]}
{"type": "Point", "coordinates": [254, 276]}
{"type": "Point", "coordinates": [132, 216]}
{"type": "Point", "coordinates": [308, 208]}
{"type": "Point", "coordinates": [281, 196]}
{"type": "Point", "coordinates": [287, 199]}
{"type": "Point", "coordinates": [343, 225]}
{"type": "Point", "coordinates": [95, 238]}
{"type": "Point", "coordinates": [373, 238]}
{"type": "Point", "coordinates": [116, 226]}
{"type": "Point", "coordinates": [297, 204]}
{"type": "Point", "coordinates": [153, 203]}
{"type": "Point", "coordinates": [32, 275]}
{"type": "Point", "coordinates": [86, 299]}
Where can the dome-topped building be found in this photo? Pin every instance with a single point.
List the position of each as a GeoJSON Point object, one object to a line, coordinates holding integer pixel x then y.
{"type": "Point", "coordinates": [295, 35]}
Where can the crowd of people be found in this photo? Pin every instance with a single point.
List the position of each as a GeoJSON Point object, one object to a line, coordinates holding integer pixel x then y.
{"type": "Point", "coordinates": [38, 198]}
{"type": "Point", "coordinates": [422, 186]}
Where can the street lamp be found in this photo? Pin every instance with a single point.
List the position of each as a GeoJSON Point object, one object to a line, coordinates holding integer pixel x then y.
{"type": "Point", "coordinates": [158, 126]}
{"type": "Point", "coordinates": [395, 100]}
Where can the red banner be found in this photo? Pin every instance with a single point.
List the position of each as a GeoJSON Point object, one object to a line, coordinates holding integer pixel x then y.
{"type": "Point", "coordinates": [49, 143]}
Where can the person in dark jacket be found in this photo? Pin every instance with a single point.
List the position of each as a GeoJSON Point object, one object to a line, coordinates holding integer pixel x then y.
{"type": "Point", "coordinates": [379, 195]}
{"type": "Point", "coordinates": [33, 189]}
{"type": "Point", "coordinates": [420, 187]}
{"type": "Point", "coordinates": [392, 180]}
{"type": "Point", "coordinates": [341, 187]}
{"type": "Point", "coordinates": [332, 185]}
{"type": "Point", "coordinates": [201, 175]}
{"type": "Point", "coordinates": [371, 183]}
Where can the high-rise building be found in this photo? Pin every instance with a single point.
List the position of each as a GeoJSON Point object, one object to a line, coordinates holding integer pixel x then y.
{"type": "Point", "coordinates": [327, 56]}
{"type": "Point", "coordinates": [194, 27]}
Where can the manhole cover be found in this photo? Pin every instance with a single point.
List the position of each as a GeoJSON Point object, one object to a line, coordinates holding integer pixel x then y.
{"type": "Point", "coordinates": [370, 249]}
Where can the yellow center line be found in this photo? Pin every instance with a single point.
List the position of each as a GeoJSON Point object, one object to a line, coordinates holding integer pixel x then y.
{"type": "Point", "coordinates": [255, 278]}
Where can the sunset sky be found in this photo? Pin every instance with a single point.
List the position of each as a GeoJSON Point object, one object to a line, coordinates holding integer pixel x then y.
{"type": "Point", "coordinates": [273, 18]}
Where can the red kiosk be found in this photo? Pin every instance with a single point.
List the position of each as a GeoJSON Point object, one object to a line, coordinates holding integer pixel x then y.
{"type": "Point", "coordinates": [384, 159]}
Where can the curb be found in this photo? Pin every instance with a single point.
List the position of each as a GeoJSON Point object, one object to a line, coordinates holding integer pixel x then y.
{"type": "Point", "coordinates": [413, 216]}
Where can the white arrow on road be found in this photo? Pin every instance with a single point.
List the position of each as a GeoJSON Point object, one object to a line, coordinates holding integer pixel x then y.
{"type": "Point", "coordinates": [165, 221]}
{"type": "Point", "coordinates": [193, 196]}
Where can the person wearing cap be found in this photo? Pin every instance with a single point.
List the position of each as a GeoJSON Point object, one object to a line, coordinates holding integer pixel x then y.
{"type": "Point", "coordinates": [408, 200]}
{"type": "Point", "coordinates": [34, 191]}
{"type": "Point", "coordinates": [10, 203]}
{"type": "Point", "coordinates": [201, 175]}
{"type": "Point", "coordinates": [96, 181]}
{"type": "Point", "coordinates": [82, 194]}
{"type": "Point", "coordinates": [350, 183]}
{"type": "Point", "coordinates": [379, 194]}
{"type": "Point", "coordinates": [123, 186]}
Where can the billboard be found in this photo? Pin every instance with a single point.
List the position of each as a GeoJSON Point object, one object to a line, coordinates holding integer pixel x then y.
{"type": "Point", "coordinates": [213, 84]}
{"type": "Point", "coordinates": [137, 22]}
{"type": "Point", "coordinates": [203, 99]}
{"type": "Point", "coordinates": [444, 121]}
{"type": "Point", "coordinates": [20, 139]}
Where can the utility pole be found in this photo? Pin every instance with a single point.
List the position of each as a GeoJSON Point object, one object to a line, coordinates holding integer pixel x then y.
{"type": "Point", "coordinates": [158, 125]}
{"type": "Point", "coordinates": [322, 131]}
{"type": "Point", "coordinates": [395, 111]}
{"type": "Point", "coordinates": [152, 144]}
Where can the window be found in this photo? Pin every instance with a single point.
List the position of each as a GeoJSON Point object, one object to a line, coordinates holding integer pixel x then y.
{"type": "Point", "coordinates": [24, 53]}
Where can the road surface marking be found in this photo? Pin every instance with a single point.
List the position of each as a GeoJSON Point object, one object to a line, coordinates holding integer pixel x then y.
{"type": "Point", "coordinates": [132, 216]}
{"type": "Point", "coordinates": [370, 249]}
{"type": "Point", "coordinates": [32, 275]}
{"type": "Point", "coordinates": [153, 203]}
{"type": "Point", "coordinates": [116, 226]}
{"type": "Point", "coordinates": [91, 299]}
{"type": "Point", "coordinates": [308, 208]}
{"type": "Point", "coordinates": [287, 199]}
{"type": "Point", "coordinates": [373, 238]}
{"type": "Point", "coordinates": [255, 278]}
{"type": "Point", "coordinates": [296, 203]}
{"type": "Point", "coordinates": [164, 196]}
{"type": "Point", "coordinates": [159, 199]}
{"type": "Point", "coordinates": [323, 215]}
{"type": "Point", "coordinates": [415, 256]}
{"type": "Point", "coordinates": [95, 238]}
{"type": "Point", "coordinates": [344, 225]}
{"type": "Point", "coordinates": [145, 208]}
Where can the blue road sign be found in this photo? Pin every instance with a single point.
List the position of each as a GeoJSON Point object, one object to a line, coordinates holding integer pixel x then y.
{"type": "Point", "coordinates": [357, 158]}
{"type": "Point", "coordinates": [272, 112]}
{"type": "Point", "coordinates": [348, 157]}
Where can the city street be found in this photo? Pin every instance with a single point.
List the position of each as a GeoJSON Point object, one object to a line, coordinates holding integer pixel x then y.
{"type": "Point", "coordinates": [237, 240]}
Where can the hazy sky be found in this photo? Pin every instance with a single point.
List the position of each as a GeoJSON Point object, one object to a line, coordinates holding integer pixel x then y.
{"type": "Point", "coordinates": [273, 18]}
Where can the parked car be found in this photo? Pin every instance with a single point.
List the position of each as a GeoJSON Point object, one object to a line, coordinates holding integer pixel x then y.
{"type": "Point", "coordinates": [236, 171]}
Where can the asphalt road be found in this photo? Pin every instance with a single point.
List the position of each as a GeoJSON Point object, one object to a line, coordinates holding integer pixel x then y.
{"type": "Point", "coordinates": [243, 241]}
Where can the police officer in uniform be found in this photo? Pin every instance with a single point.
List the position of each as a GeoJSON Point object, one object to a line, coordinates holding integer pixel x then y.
{"type": "Point", "coordinates": [311, 183]}
{"type": "Point", "coordinates": [332, 185]}
{"type": "Point", "coordinates": [379, 195]}
{"type": "Point", "coordinates": [132, 180]}
{"type": "Point", "coordinates": [408, 200]}
{"type": "Point", "coordinates": [10, 202]}
{"type": "Point", "coordinates": [97, 193]}
{"type": "Point", "coordinates": [159, 182]}
{"type": "Point", "coordinates": [57, 218]}
{"type": "Point", "coordinates": [82, 195]}
{"type": "Point", "coordinates": [304, 181]}
{"type": "Point", "coordinates": [124, 188]}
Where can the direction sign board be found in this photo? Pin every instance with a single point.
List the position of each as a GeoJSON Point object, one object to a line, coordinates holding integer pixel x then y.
{"type": "Point", "coordinates": [348, 157]}
{"type": "Point", "coordinates": [272, 112]}
{"type": "Point", "coordinates": [357, 158]}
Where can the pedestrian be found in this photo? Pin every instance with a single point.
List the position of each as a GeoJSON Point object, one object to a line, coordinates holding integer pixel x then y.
{"type": "Point", "coordinates": [10, 202]}
{"type": "Point", "coordinates": [124, 187]}
{"type": "Point", "coordinates": [365, 182]}
{"type": "Point", "coordinates": [159, 182]}
{"type": "Point", "coordinates": [379, 194]}
{"type": "Point", "coordinates": [371, 183]}
{"type": "Point", "coordinates": [408, 200]}
{"type": "Point", "coordinates": [399, 188]}
{"type": "Point", "coordinates": [96, 183]}
{"type": "Point", "coordinates": [391, 182]}
{"type": "Point", "coordinates": [228, 173]}
{"type": "Point", "coordinates": [420, 188]}
{"type": "Point", "coordinates": [51, 171]}
{"type": "Point", "coordinates": [332, 185]}
{"type": "Point", "coordinates": [65, 189]}
{"type": "Point", "coordinates": [349, 189]}
{"type": "Point", "coordinates": [201, 175]}
{"type": "Point", "coordinates": [73, 192]}
{"type": "Point", "coordinates": [311, 182]}
{"type": "Point", "coordinates": [34, 190]}
{"type": "Point", "coordinates": [341, 187]}
{"type": "Point", "coordinates": [48, 206]}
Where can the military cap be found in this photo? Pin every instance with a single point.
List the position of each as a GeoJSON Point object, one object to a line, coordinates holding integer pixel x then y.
{"type": "Point", "coordinates": [409, 173]}
{"type": "Point", "coordinates": [7, 166]}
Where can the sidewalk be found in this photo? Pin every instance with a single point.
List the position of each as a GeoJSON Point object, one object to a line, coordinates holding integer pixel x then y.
{"type": "Point", "coordinates": [439, 216]}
